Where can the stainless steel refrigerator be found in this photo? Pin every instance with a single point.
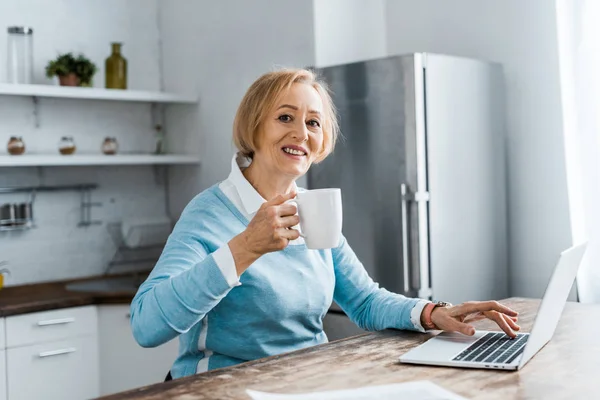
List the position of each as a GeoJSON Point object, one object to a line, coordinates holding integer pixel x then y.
{"type": "Point", "coordinates": [422, 171]}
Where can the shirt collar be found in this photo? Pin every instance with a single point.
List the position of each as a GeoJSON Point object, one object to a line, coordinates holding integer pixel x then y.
{"type": "Point", "coordinates": [251, 199]}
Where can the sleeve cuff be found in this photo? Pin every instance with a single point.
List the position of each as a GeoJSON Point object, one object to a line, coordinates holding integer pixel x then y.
{"type": "Point", "coordinates": [415, 314]}
{"type": "Point", "coordinates": [224, 260]}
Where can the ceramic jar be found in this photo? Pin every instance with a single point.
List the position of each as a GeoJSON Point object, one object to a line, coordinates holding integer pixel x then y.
{"type": "Point", "coordinates": [110, 146]}
{"type": "Point", "coordinates": [15, 146]}
{"type": "Point", "coordinates": [66, 146]}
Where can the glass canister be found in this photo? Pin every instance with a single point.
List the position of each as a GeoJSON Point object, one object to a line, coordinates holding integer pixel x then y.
{"type": "Point", "coordinates": [20, 55]}
{"type": "Point", "coordinates": [66, 146]}
{"type": "Point", "coordinates": [15, 146]}
{"type": "Point", "coordinates": [116, 69]}
{"type": "Point", "coordinates": [110, 146]}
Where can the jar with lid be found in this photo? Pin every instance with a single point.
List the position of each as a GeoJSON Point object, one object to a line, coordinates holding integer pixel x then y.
{"type": "Point", "coordinates": [110, 146]}
{"type": "Point", "coordinates": [15, 146]}
{"type": "Point", "coordinates": [66, 145]}
{"type": "Point", "coordinates": [20, 55]}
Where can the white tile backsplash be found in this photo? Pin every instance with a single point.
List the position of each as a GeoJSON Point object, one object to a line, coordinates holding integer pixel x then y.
{"type": "Point", "coordinates": [57, 248]}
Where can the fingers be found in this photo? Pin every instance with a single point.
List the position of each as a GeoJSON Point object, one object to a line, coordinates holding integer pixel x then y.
{"type": "Point", "coordinates": [280, 199]}
{"type": "Point", "coordinates": [282, 237]}
{"type": "Point", "coordinates": [289, 234]}
{"type": "Point", "coordinates": [473, 317]}
{"type": "Point", "coordinates": [511, 322]}
{"type": "Point", "coordinates": [482, 306]}
{"type": "Point", "coordinates": [499, 319]}
{"type": "Point", "coordinates": [288, 222]}
{"type": "Point", "coordinates": [287, 209]}
{"type": "Point", "coordinates": [463, 328]}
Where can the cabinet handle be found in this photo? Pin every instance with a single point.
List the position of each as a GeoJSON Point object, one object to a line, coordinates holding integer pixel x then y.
{"type": "Point", "coordinates": [57, 321]}
{"type": "Point", "coordinates": [405, 244]}
{"type": "Point", "coordinates": [57, 352]}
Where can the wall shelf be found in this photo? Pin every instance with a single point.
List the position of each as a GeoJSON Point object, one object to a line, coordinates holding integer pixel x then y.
{"type": "Point", "coordinates": [44, 160]}
{"type": "Point", "coordinates": [94, 94]}
{"type": "Point", "coordinates": [86, 204]}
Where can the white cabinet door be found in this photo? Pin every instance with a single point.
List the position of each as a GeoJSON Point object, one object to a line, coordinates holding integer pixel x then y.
{"type": "Point", "coordinates": [124, 364]}
{"type": "Point", "coordinates": [49, 326]}
{"type": "Point", "coordinates": [66, 369]}
{"type": "Point", "coordinates": [3, 390]}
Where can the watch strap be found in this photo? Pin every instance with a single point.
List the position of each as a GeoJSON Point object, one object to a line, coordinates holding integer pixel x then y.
{"type": "Point", "coordinates": [428, 310]}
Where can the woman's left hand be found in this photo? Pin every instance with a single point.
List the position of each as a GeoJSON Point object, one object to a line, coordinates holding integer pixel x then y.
{"type": "Point", "coordinates": [458, 318]}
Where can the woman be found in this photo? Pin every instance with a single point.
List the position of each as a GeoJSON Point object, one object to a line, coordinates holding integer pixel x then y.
{"type": "Point", "coordinates": [235, 281]}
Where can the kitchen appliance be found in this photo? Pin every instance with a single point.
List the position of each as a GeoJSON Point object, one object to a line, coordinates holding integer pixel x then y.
{"type": "Point", "coordinates": [421, 169]}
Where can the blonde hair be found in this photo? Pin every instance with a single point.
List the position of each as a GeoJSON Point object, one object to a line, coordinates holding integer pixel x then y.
{"type": "Point", "coordinates": [261, 98]}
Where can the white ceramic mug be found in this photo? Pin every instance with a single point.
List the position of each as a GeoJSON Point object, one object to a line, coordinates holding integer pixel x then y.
{"type": "Point", "coordinates": [320, 212]}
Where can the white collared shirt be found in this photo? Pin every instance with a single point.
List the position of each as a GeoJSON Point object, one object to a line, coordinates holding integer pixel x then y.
{"type": "Point", "coordinates": [247, 200]}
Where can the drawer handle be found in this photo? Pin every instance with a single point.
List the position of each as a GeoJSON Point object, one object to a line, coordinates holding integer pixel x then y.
{"type": "Point", "coordinates": [57, 352]}
{"type": "Point", "coordinates": [57, 321]}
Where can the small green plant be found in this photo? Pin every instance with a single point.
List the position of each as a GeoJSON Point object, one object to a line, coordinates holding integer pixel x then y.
{"type": "Point", "coordinates": [66, 64]}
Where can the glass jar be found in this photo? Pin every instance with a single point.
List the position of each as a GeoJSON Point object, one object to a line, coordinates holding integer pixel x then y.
{"type": "Point", "coordinates": [20, 55]}
{"type": "Point", "coordinates": [116, 69]}
{"type": "Point", "coordinates": [15, 146]}
{"type": "Point", "coordinates": [66, 145]}
{"type": "Point", "coordinates": [110, 146]}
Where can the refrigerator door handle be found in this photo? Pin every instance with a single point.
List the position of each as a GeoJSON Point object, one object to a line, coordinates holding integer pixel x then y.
{"type": "Point", "coordinates": [405, 245]}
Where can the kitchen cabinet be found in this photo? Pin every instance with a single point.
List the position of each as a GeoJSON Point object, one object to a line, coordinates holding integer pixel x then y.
{"type": "Point", "coordinates": [3, 392]}
{"type": "Point", "coordinates": [52, 355]}
{"type": "Point", "coordinates": [65, 369]}
{"type": "Point", "coordinates": [124, 364]}
{"type": "Point", "coordinates": [47, 326]}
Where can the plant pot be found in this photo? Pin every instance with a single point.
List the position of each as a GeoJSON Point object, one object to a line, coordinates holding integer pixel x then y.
{"type": "Point", "coordinates": [69, 80]}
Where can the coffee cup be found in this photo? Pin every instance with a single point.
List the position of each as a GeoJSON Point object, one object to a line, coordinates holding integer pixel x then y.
{"type": "Point", "coordinates": [320, 212]}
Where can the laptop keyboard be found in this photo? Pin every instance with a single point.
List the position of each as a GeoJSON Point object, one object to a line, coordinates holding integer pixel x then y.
{"type": "Point", "coordinates": [494, 347]}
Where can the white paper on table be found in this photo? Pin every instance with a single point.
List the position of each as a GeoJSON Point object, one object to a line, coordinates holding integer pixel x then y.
{"type": "Point", "coordinates": [417, 390]}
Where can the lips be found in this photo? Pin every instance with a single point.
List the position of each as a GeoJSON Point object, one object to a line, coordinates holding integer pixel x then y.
{"type": "Point", "coordinates": [294, 150]}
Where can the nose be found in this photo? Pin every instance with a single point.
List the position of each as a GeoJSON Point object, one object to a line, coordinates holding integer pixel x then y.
{"type": "Point", "coordinates": [301, 132]}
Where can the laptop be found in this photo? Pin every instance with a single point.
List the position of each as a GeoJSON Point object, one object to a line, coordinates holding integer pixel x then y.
{"type": "Point", "coordinates": [495, 350]}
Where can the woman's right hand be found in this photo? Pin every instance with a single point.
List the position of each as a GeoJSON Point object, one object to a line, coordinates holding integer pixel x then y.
{"type": "Point", "coordinates": [268, 231]}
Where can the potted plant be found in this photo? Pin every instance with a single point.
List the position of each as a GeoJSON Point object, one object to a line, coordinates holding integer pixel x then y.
{"type": "Point", "coordinates": [71, 71]}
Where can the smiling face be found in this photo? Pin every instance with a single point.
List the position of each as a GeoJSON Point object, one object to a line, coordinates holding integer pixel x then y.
{"type": "Point", "coordinates": [291, 136]}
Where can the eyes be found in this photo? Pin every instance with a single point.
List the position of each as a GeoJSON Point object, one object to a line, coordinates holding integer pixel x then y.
{"type": "Point", "coordinates": [313, 123]}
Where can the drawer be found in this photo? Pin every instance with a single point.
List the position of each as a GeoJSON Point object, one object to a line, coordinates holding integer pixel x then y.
{"type": "Point", "coordinates": [2, 336]}
{"type": "Point", "coordinates": [66, 369]}
{"type": "Point", "coordinates": [47, 326]}
{"type": "Point", "coordinates": [3, 389]}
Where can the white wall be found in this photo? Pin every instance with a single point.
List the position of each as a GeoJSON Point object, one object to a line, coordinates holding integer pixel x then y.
{"type": "Point", "coordinates": [522, 36]}
{"type": "Point", "coordinates": [349, 30]}
{"type": "Point", "coordinates": [57, 249]}
{"type": "Point", "coordinates": [217, 49]}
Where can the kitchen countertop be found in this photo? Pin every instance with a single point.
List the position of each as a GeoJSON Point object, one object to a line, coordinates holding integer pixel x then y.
{"type": "Point", "coordinates": [55, 295]}
{"type": "Point", "coordinates": [566, 368]}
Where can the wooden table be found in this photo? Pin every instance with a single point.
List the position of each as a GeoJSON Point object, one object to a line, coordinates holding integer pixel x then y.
{"type": "Point", "coordinates": [566, 368]}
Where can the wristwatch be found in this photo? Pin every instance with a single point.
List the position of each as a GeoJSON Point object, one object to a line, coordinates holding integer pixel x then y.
{"type": "Point", "coordinates": [428, 310]}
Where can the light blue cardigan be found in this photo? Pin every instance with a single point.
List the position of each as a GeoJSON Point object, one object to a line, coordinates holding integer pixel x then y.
{"type": "Point", "coordinates": [279, 306]}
